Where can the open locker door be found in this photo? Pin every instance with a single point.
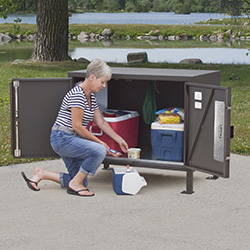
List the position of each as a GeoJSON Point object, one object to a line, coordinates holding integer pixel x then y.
{"type": "Point", "coordinates": [207, 128]}
{"type": "Point", "coordinates": [34, 107]}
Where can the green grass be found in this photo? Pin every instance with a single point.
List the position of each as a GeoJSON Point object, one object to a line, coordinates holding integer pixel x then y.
{"type": "Point", "coordinates": [134, 30]}
{"type": "Point", "coordinates": [236, 77]}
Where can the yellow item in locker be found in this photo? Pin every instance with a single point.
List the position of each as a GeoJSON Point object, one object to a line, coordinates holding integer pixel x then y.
{"type": "Point", "coordinates": [169, 118]}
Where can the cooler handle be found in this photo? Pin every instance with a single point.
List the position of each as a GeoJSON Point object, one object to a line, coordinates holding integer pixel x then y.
{"type": "Point", "coordinates": [167, 133]}
{"type": "Point", "coordinates": [96, 134]}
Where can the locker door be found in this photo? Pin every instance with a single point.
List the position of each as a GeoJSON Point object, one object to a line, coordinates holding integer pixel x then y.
{"type": "Point", "coordinates": [207, 128]}
{"type": "Point", "coordinates": [34, 107]}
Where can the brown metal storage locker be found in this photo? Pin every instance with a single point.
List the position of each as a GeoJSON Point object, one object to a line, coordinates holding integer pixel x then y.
{"type": "Point", "coordinates": [35, 103]}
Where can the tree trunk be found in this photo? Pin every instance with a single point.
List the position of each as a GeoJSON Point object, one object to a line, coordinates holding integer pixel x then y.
{"type": "Point", "coordinates": [51, 43]}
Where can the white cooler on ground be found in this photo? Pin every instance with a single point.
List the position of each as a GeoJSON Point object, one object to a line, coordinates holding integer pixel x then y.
{"type": "Point", "coordinates": [127, 182]}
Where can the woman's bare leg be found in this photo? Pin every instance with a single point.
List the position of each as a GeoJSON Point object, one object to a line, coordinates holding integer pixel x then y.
{"type": "Point", "coordinates": [41, 174]}
{"type": "Point", "coordinates": [76, 184]}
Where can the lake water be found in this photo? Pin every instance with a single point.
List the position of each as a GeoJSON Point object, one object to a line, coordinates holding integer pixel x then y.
{"type": "Point", "coordinates": [115, 53]}
{"type": "Point", "coordinates": [173, 55]}
{"type": "Point", "coordinates": [123, 18]}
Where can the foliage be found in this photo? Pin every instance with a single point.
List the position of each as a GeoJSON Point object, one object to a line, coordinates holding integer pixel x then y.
{"type": "Point", "coordinates": [233, 7]}
{"type": "Point", "coordinates": [8, 6]}
{"type": "Point", "coordinates": [16, 25]}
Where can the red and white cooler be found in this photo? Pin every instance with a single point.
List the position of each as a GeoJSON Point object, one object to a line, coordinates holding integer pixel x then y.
{"type": "Point", "coordinates": [124, 122]}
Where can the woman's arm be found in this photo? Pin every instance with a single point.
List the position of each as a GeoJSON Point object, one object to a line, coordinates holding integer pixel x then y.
{"type": "Point", "coordinates": [76, 117]}
{"type": "Point", "coordinates": [106, 128]}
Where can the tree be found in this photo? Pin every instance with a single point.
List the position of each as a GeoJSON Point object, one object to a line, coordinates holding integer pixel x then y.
{"type": "Point", "coordinates": [51, 43]}
{"type": "Point", "coordinates": [234, 7]}
{"type": "Point", "coordinates": [8, 6]}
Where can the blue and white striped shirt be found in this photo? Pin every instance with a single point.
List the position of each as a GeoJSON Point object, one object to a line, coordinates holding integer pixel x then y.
{"type": "Point", "coordinates": [76, 98]}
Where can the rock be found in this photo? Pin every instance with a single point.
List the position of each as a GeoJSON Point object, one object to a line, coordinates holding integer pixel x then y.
{"type": "Point", "coordinates": [149, 33]}
{"type": "Point", "coordinates": [107, 33]}
{"type": "Point", "coordinates": [18, 61]}
{"type": "Point", "coordinates": [101, 38]}
{"type": "Point", "coordinates": [83, 37]}
{"type": "Point", "coordinates": [191, 61]}
{"type": "Point", "coordinates": [145, 37]}
{"type": "Point", "coordinates": [83, 60]}
{"type": "Point", "coordinates": [171, 38]}
{"type": "Point", "coordinates": [4, 38]}
{"type": "Point", "coordinates": [153, 37]}
{"type": "Point", "coordinates": [213, 38]}
{"type": "Point", "coordinates": [31, 37]}
{"type": "Point", "coordinates": [203, 38]}
{"type": "Point", "coordinates": [220, 36]}
{"type": "Point", "coordinates": [13, 36]}
{"type": "Point", "coordinates": [20, 37]}
{"type": "Point", "coordinates": [184, 37]}
{"type": "Point", "coordinates": [92, 35]}
{"type": "Point", "coordinates": [232, 37]}
{"type": "Point", "coordinates": [107, 42]}
{"type": "Point", "coordinates": [139, 57]}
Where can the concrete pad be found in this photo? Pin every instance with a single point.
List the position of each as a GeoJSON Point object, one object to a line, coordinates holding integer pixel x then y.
{"type": "Point", "coordinates": [216, 216]}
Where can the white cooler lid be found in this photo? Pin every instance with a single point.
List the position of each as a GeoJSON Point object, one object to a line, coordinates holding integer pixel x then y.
{"type": "Point", "coordinates": [129, 115]}
{"type": "Point", "coordinates": [157, 125]}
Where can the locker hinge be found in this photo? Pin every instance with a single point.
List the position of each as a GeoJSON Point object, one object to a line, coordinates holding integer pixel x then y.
{"type": "Point", "coordinates": [17, 151]}
{"type": "Point", "coordinates": [16, 85]}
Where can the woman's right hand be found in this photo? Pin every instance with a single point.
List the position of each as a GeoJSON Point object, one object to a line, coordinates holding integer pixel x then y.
{"type": "Point", "coordinates": [105, 145]}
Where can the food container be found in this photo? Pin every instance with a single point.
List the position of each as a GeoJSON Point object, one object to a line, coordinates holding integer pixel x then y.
{"type": "Point", "coordinates": [169, 118]}
{"type": "Point", "coordinates": [134, 153]}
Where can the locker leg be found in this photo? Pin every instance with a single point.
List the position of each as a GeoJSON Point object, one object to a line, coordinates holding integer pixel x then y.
{"type": "Point", "coordinates": [189, 182]}
{"type": "Point", "coordinates": [214, 177]}
{"type": "Point", "coordinates": [106, 166]}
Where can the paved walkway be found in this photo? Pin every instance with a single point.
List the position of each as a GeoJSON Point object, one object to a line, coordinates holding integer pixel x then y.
{"type": "Point", "coordinates": [216, 216]}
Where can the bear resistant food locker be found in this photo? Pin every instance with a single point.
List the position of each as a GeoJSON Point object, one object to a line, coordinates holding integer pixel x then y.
{"type": "Point", "coordinates": [207, 131]}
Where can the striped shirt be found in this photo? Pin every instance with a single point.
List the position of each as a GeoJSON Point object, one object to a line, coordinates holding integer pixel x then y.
{"type": "Point", "coordinates": [76, 98]}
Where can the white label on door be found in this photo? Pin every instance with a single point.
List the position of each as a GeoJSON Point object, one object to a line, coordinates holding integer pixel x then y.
{"type": "Point", "coordinates": [198, 96]}
{"type": "Point", "coordinates": [198, 105]}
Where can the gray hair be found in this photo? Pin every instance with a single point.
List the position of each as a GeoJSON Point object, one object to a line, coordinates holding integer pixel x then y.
{"type": "Point", "coordinates": [99, 68]}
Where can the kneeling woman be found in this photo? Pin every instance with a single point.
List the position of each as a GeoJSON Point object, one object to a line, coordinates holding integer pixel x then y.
{"type": "Point", "coordinates": [81, 151]}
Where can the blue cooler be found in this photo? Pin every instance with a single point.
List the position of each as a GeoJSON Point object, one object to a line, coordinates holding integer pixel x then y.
{"type": "Point", "coordinates": [167, 141]}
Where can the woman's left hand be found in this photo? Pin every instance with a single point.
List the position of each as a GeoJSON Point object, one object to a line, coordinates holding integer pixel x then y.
{"type": "Point", "coordinates": [124, 146]}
